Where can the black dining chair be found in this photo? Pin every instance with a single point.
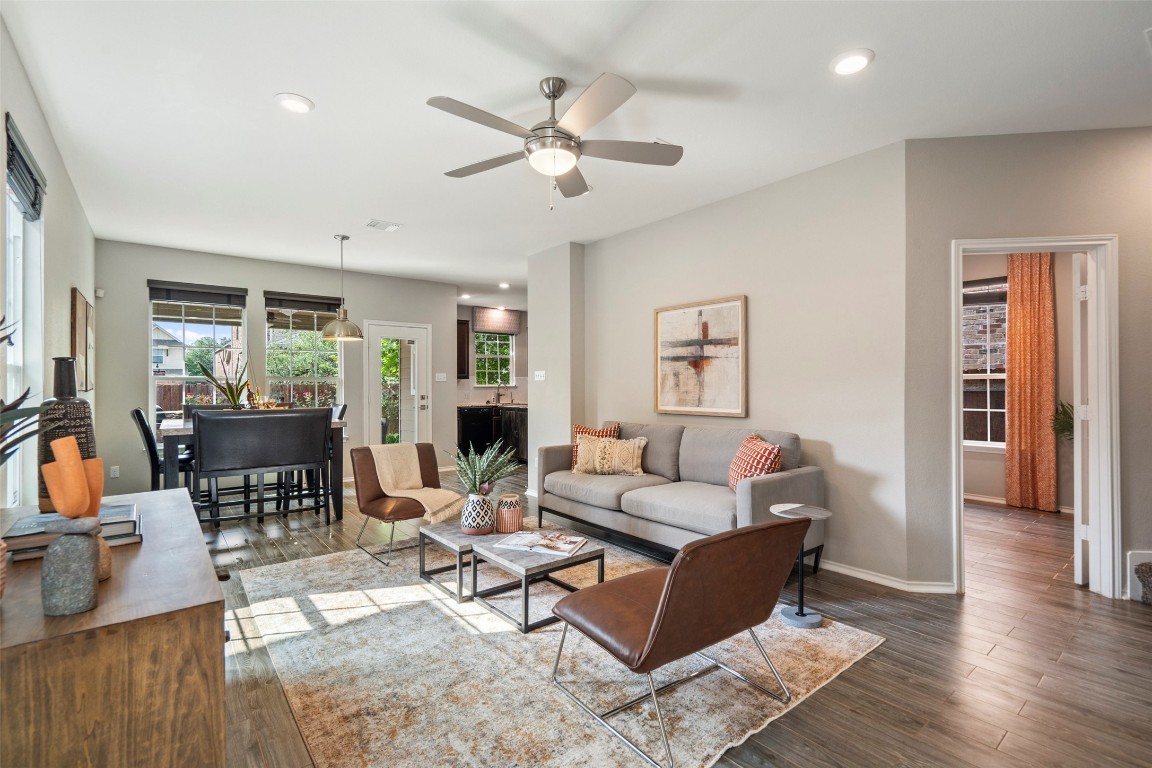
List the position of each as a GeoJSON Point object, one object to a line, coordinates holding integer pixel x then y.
{"type": "Point", "coordinates": [294, 484]}
{"type": "Point", "coordinates": [235, 443]}
{"type": "Point", "coordinates": [153, 452]}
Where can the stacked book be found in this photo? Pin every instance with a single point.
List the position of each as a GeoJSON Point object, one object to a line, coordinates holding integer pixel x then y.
{"type": "Point", "coordinates": [27, 539]}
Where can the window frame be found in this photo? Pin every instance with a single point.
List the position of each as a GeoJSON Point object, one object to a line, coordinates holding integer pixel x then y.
{"type": "Point", "coordinates": [291, 382]}
{"type": "Point", "coordinates": [478, 357]}
{"type": "Point", "coordinates": [185, 379]}
{"type": "Point", "coordinates": [985, 446]}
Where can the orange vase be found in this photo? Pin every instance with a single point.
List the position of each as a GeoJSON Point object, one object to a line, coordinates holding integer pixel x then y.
{"type": "Point", "coordinates": [66, 479]}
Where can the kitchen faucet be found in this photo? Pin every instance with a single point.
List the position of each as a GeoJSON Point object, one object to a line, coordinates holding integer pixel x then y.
{"type": "Point", "coordinates": [498, 393]}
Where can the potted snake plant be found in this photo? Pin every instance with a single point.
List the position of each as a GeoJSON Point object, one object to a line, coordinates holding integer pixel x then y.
{"type": "Point", "coordinates": [479, 472]}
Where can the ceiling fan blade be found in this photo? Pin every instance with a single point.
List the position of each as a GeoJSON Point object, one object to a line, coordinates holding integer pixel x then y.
{"type": "Point", "coordinates": [650, 153]}
{"type": "Point", "coordinates": [572, 184]}
{"type": "Point", "coordinates": [599, 100]}
{"type": "Point", "coordinates": [460, 109]}
{"type": "Point", "coordinates": [485, 165]}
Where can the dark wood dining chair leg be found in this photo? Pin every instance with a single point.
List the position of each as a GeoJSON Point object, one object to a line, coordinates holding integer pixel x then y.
{"type": "Point", "coordinates": [214, 501]}
{"type": "Point", "coordinates": [259, 499]}
{"type": "Point", "coordinates": [247, 494]}
{"type": "Point", "coordinates": [326, 481]}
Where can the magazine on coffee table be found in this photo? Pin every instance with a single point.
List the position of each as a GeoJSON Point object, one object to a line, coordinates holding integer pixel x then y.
{"type": "Point", "coordinates": [544, 542]}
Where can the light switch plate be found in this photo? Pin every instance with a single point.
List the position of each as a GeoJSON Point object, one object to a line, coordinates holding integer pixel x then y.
{"type": "Point", "coordinates": [441, 377]}
{"type": "Point", "coordinates": [539, 375]}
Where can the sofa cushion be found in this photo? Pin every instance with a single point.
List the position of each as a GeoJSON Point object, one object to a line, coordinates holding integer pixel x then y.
{"type": "Point", "coordinates": [662, 456]}
{"type": "Point", "coordinates": [755, 457]}
{"type": "Point", "coordinates": [610, 429]}
{"type": "Point", "coordinates": [606, 456]}
{"type": "Point", "coordinates": [598, 490]}
{"type": "Point", "coordinates": [700, 507]}
{"type": "Point", "coordinates": [707, 452]}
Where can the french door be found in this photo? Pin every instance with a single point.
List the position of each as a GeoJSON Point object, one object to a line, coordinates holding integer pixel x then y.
{"type": "Point", "coordinates": [397, 372]}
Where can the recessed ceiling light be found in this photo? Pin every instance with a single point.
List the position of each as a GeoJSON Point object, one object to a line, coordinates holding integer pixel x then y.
{"type": "Point", "coordinates": [294, 102]}
{"type": "Point", "coordinates": [500, 308]}
{"type": "Point", "coordinates": [465, 295]}
{"type": "Point", "coordinates": [503, 285]}
{"type": "Point", "coordinates": [851, 62]}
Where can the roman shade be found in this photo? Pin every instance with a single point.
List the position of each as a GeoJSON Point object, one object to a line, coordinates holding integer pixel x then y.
{"type": "Point", "coordinates": [161, 290]}
{"type": "Point", "coordinates": [492, 320]}
{"type": "Point", "coordinates": [302, 301]}
{"type": "Point", "coordinates": [24, 175]}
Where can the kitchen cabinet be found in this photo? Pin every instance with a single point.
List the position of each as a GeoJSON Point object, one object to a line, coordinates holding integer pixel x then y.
{"type": "Point", "coordinates": [514, 430]}
{"type": "Point", "coordinates": [463, 344]}
{"type": "Point", "coordinates": [474, 427]}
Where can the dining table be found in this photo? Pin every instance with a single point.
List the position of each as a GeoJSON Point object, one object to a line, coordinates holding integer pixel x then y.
{"type": "Point", "coordinates": [176, 432]}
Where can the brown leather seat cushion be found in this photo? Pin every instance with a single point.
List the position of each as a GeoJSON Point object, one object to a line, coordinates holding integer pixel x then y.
{"type": "Point", "coordinates": [389, 508]}
{"type": "Point", "coordinates": [617, 615]}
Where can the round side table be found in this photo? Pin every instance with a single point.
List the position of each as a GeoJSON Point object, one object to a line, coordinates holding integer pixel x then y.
{"type": "Point", "coordinates": [797, 617]}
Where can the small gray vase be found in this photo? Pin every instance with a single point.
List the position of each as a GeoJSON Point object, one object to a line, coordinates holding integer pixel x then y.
{"type": "Point", "coordinates": [71, 567]}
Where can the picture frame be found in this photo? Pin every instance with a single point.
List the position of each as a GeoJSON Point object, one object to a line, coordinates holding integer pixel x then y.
{"type": "Point", "coordinates": [83, 341]}
{"type": "Point", "coordinates": [701, 358]}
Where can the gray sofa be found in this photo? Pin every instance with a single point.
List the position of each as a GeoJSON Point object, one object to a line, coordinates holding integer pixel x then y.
{"type": "Point", "coordinates": [683, 494]}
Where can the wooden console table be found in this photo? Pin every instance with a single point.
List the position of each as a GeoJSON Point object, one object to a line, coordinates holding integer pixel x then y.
{"type": "Point", "coordinates": [139, 680]}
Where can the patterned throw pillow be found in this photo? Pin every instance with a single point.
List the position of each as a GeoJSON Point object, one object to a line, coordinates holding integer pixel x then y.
{"type": "Point", "coordinates": [756, 457]}
{"type": "Point", "coordinates": [612, 430]}
{"type": "Point", "coordinates": [608, 456]}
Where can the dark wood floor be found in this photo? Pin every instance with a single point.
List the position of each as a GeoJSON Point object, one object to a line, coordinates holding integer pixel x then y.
{"type": "Point", "coordinates": [1026, 669]}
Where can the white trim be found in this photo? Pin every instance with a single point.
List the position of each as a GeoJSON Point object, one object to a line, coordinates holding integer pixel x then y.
{"type": "Point", "coordinates": [970, 447]}
{"type": "Point", "coordinates": [396, 329]}
{"type": "Point", "coordinates": [975, 498]}
{"type": "Point", "coordinates": [1067, 511]}
{"type": "Point", "coordinates": [927, 587]}
{"type": "Point", "coordinates": [1106, 560]}
{"type": "Point", "coordinates": [531, 493]}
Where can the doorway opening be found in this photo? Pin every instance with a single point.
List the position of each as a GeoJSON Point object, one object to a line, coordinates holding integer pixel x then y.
{"type": "Point", "coordinates": [397, 371]}
{"type": "Point", "coordinates": [1091, 288]}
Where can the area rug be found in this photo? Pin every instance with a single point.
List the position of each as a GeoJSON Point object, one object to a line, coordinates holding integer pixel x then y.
{"type": "Point", "coordinates": [381, 669]}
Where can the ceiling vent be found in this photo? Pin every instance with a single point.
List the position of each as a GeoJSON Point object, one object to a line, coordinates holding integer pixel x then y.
{"type": "Point", "coordinates": [387, 226]}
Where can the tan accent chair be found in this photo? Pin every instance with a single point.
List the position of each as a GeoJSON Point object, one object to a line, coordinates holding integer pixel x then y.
{"type": "Point", "coordinates": [374, 503]}
{"type": "Point", "coordinates": [716, 587]}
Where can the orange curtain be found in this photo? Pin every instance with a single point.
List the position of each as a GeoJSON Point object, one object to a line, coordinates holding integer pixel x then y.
{"type": "Point", "coordinates": [1030, 443]}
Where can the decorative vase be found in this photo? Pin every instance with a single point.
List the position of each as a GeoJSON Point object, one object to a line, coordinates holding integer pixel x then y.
{"type": "Point", "coordinates": [66, 416]}
{"type": "Point", "coordinates": [477, 518]}
{"type": "Point", "coordinates": [509, 514]}
{"type": "Point", "coordinates": [75, 487]}
{"type": "Point", "coordinates": [71, 565]}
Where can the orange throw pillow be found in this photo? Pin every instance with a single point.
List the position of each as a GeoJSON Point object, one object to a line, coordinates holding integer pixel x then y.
{"type": "Point", "coordinates": [612, 431]}
{"type": "Point", "coordinates": [756, 457]}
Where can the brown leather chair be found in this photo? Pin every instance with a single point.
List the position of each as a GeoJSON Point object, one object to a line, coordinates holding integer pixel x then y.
{"type": "Point", "coordinates": [374, 503]}
{"type": "Point", "coordinates": [715, 588]}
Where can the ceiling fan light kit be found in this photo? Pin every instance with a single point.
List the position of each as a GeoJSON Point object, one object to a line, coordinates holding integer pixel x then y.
{"type": "Point", "coordinates": [554, 147]}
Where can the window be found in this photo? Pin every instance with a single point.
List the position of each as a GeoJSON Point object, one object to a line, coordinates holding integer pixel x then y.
{"type": "Point", "coordinates": [494, 354]}
{"type": "Point", "coordinates": [303, 369]}
{"type": "Point", "coordinates": [985, 349]}
{"type": "Point", "coordinates": [186, 335]}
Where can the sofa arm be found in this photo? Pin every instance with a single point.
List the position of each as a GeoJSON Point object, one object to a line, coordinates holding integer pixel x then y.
{"type": "Point", "coordinates": [754, 495]}
{"type": "Point", "coordinates": [551, 458]}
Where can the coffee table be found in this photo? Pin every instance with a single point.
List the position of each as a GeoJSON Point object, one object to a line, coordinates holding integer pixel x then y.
{"type": "Point", "coordinates": [530, 568]}
{"type": "Point", "coordinates": [447, 536]}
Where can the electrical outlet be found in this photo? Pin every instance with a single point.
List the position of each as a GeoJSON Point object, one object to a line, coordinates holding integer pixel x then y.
{"type": "Point", "coordinates": [539, 375]}
{"type": "Point", "coordinates": [114, 472]}
{"type": "Point", "coordinates": [441, 377]}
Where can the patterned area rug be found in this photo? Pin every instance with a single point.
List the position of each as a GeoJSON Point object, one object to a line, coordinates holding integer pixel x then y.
{"type": "Point", "coordinates": [381, 669]}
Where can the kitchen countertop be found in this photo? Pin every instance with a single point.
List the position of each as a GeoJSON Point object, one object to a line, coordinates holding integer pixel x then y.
{"type": "Point", "coordinates": [490, 405]}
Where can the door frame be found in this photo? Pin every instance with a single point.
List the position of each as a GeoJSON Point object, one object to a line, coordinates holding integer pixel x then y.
{"type": "Point", "coordinates": [1105, 565]}
{"type": "Point", "coordinates": [395, 329]}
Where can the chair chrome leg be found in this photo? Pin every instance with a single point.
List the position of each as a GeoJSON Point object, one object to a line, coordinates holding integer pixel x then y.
{"type": "Point", "coordinates": [660, 719]}
{"type": "Point", "coordinates": [786, 698]}
{"type": "Point", "coordinates": [386, 553]}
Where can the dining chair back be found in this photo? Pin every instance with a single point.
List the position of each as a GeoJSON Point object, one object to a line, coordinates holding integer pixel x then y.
{"type": "Point", "coordinates": [153, 452]}
{"type": "Point", "coordinates": [190, 408]}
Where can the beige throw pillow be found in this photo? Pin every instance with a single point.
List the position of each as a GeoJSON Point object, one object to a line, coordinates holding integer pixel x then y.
{"type": "Point", "coordinates": [606, 456]}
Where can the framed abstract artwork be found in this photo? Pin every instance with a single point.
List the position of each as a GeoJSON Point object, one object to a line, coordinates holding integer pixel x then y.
{"type": "Point", "coordinates": [700, 358]}
{"type": "Point", "coordinates": [84, 341]}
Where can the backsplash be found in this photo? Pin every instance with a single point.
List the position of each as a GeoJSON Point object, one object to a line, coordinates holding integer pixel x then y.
{"type": "Point", "coordinates": [469, 394]}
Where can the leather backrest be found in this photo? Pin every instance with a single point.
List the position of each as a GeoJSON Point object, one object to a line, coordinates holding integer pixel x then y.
{"type": "Point", "coordinates": [149, 445]}
{"type": "Point", "coordinates": [368, 481]}
{"type": "Point", "coordinates": [252, 439]}
{"type": "Point", "coordinates": [721, 585]}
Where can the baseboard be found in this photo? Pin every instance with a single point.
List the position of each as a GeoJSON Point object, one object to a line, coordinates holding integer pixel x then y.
{"type": "Point", "coordinates": [530, 493]}
{"type": "Point", "coordinates": [998, 502]}
{"type": "Point", "coordinates": [1067, 511]}
{"type": "Point", "coordinates": [927, 587]}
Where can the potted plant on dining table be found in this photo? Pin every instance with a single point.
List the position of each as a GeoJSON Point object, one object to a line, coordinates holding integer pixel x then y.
{"type": "Point", "coordinates": [235, 389]}
{"type": "Point", "coordinates": [479, 473]}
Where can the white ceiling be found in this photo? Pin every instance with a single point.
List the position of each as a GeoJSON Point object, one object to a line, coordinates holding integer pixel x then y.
{"type": "Point", "coordinates": [164, 111]}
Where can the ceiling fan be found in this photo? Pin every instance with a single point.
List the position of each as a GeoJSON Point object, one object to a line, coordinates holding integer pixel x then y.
{"type": "Point", "coordinates": [553, 146]}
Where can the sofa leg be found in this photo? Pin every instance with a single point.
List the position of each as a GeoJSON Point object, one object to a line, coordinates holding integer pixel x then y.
{"type": "Point", "coordinates": [816, 560]}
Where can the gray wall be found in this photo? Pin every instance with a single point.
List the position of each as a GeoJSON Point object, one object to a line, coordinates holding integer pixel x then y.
{"type": "Point", "coordinates": [1050, 184]}
{"type": "Point", "coordinates": [984, 471]}
{"type": "Point", "coordinates": [466, 392]}
{"type": "Point", "coordinates": [66, 237]}
{"type": "Point", "coordinates": [123, 339]}
{"type": "Point", "coordinates": [821, 258]}
{"type": "Point", "coordinates": [556, 346]}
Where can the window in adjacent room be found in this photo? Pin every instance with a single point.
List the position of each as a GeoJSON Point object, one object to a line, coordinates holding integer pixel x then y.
{"type": "Point", "coordinates": [193, 325]}
{"type": "Point", "coordinates": [494, 356]}
{"type": "Point", "coordinates": [303, 370]}
{"type": "Point", "coordinates": [985, 358]}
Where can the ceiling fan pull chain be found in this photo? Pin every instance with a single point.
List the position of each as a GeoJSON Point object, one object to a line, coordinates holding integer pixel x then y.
{"type": "Point", "coordinates": [551, 189]}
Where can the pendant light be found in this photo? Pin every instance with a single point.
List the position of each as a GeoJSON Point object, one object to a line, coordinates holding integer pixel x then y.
{"type": "Point", "coordinates": [342, 329]}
